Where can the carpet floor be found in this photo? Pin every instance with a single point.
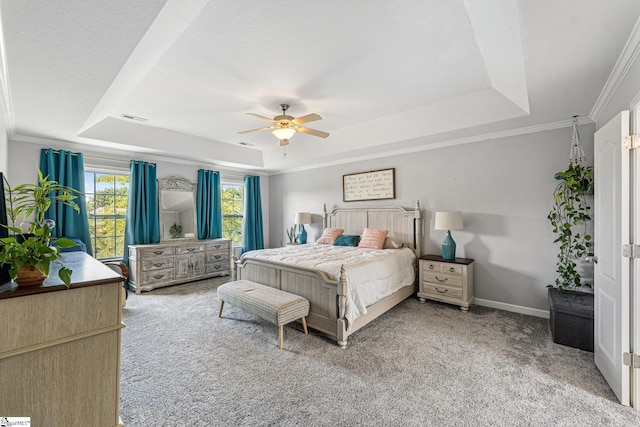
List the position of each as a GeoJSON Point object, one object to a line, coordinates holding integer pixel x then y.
{"type": "Point", "coordinates": [417, 365]}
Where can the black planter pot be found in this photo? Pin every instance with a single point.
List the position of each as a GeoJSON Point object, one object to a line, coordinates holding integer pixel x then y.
{"type": "Point", "coordinates": [571, 318]}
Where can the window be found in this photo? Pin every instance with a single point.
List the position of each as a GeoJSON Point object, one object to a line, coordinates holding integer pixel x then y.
{"type": "Point", "coordinates": [107, 196]}
{"type": "Point", "coordinates": [232, 205]}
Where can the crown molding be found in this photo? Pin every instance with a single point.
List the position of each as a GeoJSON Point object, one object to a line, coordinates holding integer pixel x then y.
{"type": "Point", "coordinates": [443, 144]}
{"type": "Point", "coordinates": [117, 155]}
{"type": "Point", "coordinates": [625, 61]}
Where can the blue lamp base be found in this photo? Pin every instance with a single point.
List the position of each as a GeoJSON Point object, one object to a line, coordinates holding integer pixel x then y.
{"type": "Point", "coordinates": [448, 247]}
{"type": "Point", "coordinates": [302, 237]}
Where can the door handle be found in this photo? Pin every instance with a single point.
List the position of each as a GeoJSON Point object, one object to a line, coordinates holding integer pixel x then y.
{"type": "Point", "coordinates": [592, 259]}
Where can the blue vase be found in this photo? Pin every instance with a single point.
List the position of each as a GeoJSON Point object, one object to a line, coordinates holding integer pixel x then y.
{"type": "Point", "coordinates": [302, 237]}
{"type": "Point", "coordinates": [448, 247]}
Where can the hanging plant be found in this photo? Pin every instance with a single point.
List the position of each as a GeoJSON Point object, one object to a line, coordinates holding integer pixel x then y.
{"type": "Point", "coordinates": [570, 216]}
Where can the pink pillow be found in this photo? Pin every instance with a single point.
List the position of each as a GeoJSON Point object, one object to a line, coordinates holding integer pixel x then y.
{"type": "Point", "coordinates": [329, 235]}
{"type": "Point", "coordinates": [373, 239]}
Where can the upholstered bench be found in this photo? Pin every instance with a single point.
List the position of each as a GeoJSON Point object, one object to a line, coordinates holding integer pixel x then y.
{"type": "Point", "coordinates": [271, 304]}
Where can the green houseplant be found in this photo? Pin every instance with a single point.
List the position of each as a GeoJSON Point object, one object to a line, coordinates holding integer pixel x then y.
{"type": "Point", "coordinates": [29, 255]}
{"type": "Point", "coordinates": [569, 217]}
{"type": "Point", "coordinates": [571, 309]}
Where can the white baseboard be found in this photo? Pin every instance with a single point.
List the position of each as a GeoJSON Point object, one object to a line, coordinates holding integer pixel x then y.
{"type": "Point", "coordinates": [512, 307]}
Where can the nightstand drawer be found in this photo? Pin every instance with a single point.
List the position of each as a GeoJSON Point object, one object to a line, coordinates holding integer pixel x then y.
{"type": "Point", "coordinates": [443, 279]}
{"type": "Point", "coordinates": [439, 267]}
{"type": "Point", "coordinates": [441, 290]}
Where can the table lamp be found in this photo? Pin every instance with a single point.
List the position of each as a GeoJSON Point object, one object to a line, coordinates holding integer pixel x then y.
{"type": "Point", "coordinates": [301, 219]}
{"type": "Point", "coordinates": [448, 221]}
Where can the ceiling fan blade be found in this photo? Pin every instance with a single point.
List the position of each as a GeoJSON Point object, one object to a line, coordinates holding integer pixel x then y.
{"type": "Point", "coordinates": [258, 116]}
{"type": "Point", "coordinates": [306, 119]}
{"type": "Point", "coordinates": [255, 130]}
{"type": "Point", "coordinates": [313, 132]}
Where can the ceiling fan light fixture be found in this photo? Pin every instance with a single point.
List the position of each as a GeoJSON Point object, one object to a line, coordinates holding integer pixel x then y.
{"type": "Point", "coordinates": [284, 133]}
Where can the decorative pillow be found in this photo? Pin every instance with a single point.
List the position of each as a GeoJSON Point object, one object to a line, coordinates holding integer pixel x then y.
{"type": "Point", "coordinates": [347, 241]}
{"type": "Point", "coordinates": [391, 243]}
{"type": "Point", "coordinates": [373, 239]}
{"type": "Point", "coordinates": [329, 235]}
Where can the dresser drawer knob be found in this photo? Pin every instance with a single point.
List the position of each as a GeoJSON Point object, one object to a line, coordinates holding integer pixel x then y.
{"type": "Point", "coordinates": [158, 276]}
{"type": "Point", "coordinates": [441, 280]}
{"type": "Point", "coordinates": [191, 249]}
{"type": "Point", "coordinates": [452, 269]}
{"type": "Point", "coordinates": [442, 292]}
{"type": "Point", "coordinates": [158, 252]}
{"type": "Point", "coordinates": [217, 256]}
{"type": "Point", "coordinates": [158, 264]}
{"type": "Point", "coordinates": [430, 266]}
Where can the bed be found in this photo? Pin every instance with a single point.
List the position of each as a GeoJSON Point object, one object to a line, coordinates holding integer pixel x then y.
{"type": "Point", "coordinates": [329, 291]}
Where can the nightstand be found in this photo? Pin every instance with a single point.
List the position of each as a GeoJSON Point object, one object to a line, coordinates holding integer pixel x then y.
{"type": "Point", "coordinates": [446, 280]}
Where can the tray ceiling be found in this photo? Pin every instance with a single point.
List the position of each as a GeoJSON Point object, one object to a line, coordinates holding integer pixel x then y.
{"type": "Point", "coordinates": [383, 75]}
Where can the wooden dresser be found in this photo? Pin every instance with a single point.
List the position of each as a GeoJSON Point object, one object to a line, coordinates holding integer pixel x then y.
{"type": "Point", "coordinates": [60, 348]}
{"type": "Point", "coordinates": [446, 280]}
{"type": "Point", "coordinates": [180, 261]}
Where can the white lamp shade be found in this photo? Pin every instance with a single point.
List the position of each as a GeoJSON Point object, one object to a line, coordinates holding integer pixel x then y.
{"type": "Point", "coordinates": [302, 218]}
{"type": "Point", "coordinates": [448, 221]}
{"type": "Point", "coordinates": [284, 133]}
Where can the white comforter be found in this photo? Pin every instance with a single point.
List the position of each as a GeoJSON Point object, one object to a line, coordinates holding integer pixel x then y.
{"type": "Point", "coordinates": [372, 274]}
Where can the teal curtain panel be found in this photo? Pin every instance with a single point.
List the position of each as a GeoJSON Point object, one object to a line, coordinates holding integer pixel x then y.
{"type": "Point", "coordinates": [252, 235]}
{"type": "Point", "coordinates": [143, 221]}
{"type": "Point", "coordinates": [67, 168]}
{"type": "Point", "coordinates": [208, 205]}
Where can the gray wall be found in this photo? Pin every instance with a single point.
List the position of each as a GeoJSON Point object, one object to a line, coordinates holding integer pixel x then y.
{"type": "Point", "coordinates": [503, 188]}
{"type": "Point", "coordinates": [4, 146]}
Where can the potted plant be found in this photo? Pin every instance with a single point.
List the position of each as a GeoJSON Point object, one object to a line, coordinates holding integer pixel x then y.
{"type": "Point", "coordinates": [571, 309]}
{"type": "Point", "coordinates": [293, 235]}
{"type": "Point", "coordinates": [29, 255]}
{"type": "Point", "coordinates": [175, 231]}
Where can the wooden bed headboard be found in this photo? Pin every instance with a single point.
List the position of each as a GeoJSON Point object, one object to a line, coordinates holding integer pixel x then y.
{"type": "Point", "coordinates": [403, 224]}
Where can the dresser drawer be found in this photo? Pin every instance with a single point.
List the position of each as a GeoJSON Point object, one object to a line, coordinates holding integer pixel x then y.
{"type": "Point", "coordinates": [159, 275]}
{"type": "Point", "coordinates": [217, 256]}
{"type": "Point", "coordinates": [222, 245]}
{"type": "Point", "coordinates": [221, 266]}
{"type": "Point", "coordinates": [444, 279]}
{"type": "Point", "coordinates": [156, 264]}
{"type": "Point", "coordinates": [440, 267]}
{"type": "Point", "coordinates": [441, 290]}
{"type": "Point", "coordinates": [181, 250]}
{"type": "Point", "coordinates": [156, 252]}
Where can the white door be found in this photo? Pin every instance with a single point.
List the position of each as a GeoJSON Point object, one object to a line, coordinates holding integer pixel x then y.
{"type": "Point", "coordinates": [611, 273]}
{"type": "Point", "coordinates": [635, 305]}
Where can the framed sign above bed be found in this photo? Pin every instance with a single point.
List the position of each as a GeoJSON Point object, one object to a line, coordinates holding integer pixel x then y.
{"type": "Point", "coordinates": [372, 185]}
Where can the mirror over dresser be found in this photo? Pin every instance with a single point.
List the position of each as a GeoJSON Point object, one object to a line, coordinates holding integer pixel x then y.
{"type": "Point", "coordinates": [179, 257]}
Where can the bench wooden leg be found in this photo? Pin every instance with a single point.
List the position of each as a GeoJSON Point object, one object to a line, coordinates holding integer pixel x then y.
{"type": "Point", "coordinates": [281, 334]}
{"type": "Point", "coordinates": [304, 325]}
{"type": "Point", "coordinates": [221, 305]}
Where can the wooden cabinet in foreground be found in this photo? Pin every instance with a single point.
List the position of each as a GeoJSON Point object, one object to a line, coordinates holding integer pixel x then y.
{"type": "Point", "coordinates": [60, 348]}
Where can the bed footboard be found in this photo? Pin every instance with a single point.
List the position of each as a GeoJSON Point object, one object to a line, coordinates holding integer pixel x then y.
{"type": "Point", "coordinates": [327, 297]}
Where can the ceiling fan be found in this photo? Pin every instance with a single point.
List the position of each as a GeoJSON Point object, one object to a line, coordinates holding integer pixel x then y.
{"type": "Point", "coordinates": [284, 126]}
